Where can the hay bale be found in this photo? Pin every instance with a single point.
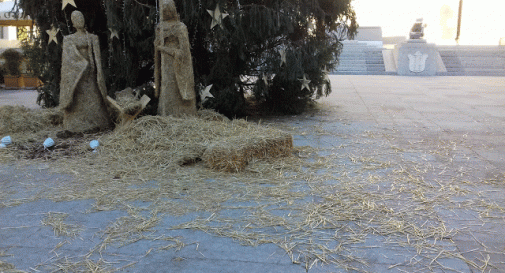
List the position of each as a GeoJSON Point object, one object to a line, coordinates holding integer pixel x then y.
{"type": "Point", "coordinates": [207, 114]}
{"type": "Point", "coordinates": [17, 119]}
{"type": "Point", "coordinates": [234, 153]}
{"type": "Point", "coordinates": [162, 143]}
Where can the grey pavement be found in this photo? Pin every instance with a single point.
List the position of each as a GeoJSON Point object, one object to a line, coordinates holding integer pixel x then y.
{"type": "Point", "coordinates": [27, 98]}
{"type": "Point", "coordinates": [426, 155]}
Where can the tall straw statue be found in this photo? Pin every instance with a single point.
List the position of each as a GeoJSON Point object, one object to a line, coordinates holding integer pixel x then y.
{"type": "Point", "coordinates": [82, 87]}
{"type": "Point", "coordinates": [173, 73]}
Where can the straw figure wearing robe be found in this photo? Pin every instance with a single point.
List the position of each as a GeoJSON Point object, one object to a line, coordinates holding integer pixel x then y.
{"type": "Point", "coordinates": [82, 87]}
{"type": "Point", "coordinates": [173, 73]}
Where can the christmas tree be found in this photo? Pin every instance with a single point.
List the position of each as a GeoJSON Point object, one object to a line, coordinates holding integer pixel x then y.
{"type": "Point", "coordinates": [278, 51]}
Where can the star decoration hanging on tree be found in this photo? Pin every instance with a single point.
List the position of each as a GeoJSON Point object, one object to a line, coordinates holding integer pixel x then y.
{"type": "Point", "coordinates": [67, 2]}
{"type": "Point", "coordinates": [217, 17]}
{"type": "Point", "coordinates": [113, 33]}
{"type": "Point", "coordinates": [52, 35]}
{"type": "Point", "coordinates": [283, 56]}
{"type": "Point", "coordinates": [311, 26]}
{"type": "Point", "coordinates": [265, 79]}
{"type": "Point", "coordinates": [305, 82]}
{"type": "Point", "coordinates": [206, 93]}
{"type": "Point", "coordinates": [325, 73]}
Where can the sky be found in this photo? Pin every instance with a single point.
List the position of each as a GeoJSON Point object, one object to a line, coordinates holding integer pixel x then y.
{"type": "Point", "coordinates": [6, 6]}
{"type": "Point", "coordinates": [483, 21]}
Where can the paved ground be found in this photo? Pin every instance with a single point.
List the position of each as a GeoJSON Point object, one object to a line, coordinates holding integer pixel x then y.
{"type": "Point", "coordinates": [27, 98]}
{"type": "Point", "coordinates": [427, 154]}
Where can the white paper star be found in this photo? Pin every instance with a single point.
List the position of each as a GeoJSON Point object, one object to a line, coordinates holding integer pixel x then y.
{"type": "Point", "coordinates": [217, 17]}
{"type": "Point", "coordinates": [113, 33]}
{"type": "Point", "coordinates": [283, 56]}
{"type": "Point", "coordinates": [305, 82]}
{"type": "Point", "coordinates": [52, 35]}
{"type": "Point", "coordinates": [265, 79]}
{"type": "Point", "coordinates": [67, 2]}
{"type": "Point", "coordinates": [311, 26]}
{"type": "Point", "coordinates": [325, 73]}
{"type": "Point", "coordinates": [206, 93]}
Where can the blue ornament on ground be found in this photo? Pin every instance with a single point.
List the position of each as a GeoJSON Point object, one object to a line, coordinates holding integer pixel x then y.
{"type": "Point", "coordinates": [6, 141]}
{"type": "Point", "coordinates": [94, 144]}
{"type": "Point", "coordinates": [2, 146]}
{"type": "Point", "coordinates": [48, 143]}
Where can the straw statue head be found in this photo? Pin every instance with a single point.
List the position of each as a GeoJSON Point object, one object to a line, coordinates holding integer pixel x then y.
{"type": "Point", "coordinates": [77, 19]}
{"type": "Point", "coordinates": [168, 11]}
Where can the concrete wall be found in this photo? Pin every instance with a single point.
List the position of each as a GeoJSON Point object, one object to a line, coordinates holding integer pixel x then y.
{"type": "Point", "coordinates": [372, 36]}
{"type": "Point", "coordinates": [369, 34]}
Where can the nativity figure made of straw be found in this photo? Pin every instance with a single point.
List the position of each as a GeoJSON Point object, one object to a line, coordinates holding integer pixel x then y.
{"type": "Point", "coordinates": [173, 73]}
{"type": "Point", "coordinates": [82, 87]}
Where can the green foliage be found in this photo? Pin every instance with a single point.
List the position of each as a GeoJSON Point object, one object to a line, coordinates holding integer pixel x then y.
{"type": "Point", "coordinates": [234, 56]}
{"type": "Point", "coordinates": [42, 63]}
{"type": "Point", "coordinates": [127, 60]}
{"type": "Point", "coordinates": [2, 73]}
{"type": "Point", "coordinates": [13, 60]}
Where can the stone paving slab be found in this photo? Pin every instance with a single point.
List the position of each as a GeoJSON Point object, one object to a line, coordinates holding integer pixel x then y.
{"type": "Point", "coordinates": [450, 126]}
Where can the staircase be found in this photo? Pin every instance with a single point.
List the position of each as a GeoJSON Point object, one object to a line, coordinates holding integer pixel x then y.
{"type": "Point", "coordinates": [473, 60]}
{"type": "Point", "coordinates": [359, 58]}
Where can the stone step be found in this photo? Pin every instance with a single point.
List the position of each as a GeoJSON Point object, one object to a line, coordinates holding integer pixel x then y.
{"type": "Point", "coordinates": [351, 69]}
{"type": "Point", "coordinates": [449, 73]}
{"type": "Point", "coordinates": [352, 61]}
{"type": "Point", "coordinates": [360, 59]}
{"type": "Point", "coordinates": [378, 63]}
{"type": "Point", "coordinates": [482, 62]}
{"type": "Point", "coordinates": [375, 67]}
{"type": "Point", "coordinates": [452, 64]}
{"type": "Point", "coordinates": [351, 66]}
{"type": "Point", "coordinates": [353, 55]}
{"type": "Point", "coordinates": [375, 59]}
{"type": "Point", "coordinates": [355, 60]}
{"type": "Point", "coordinates": [364, 73]}
{"type": "Point", "coordinates": [484, 72]}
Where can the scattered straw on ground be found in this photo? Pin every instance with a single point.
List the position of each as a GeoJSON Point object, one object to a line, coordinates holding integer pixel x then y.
{"type": "Point", "coordinates": [56, 221]}
{"type": "Point", "coordinates": [331, 205]}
